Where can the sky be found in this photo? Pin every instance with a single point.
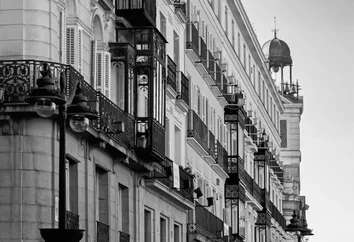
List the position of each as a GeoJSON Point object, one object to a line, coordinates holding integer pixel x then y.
{"type": "Point", "coordinates": [320, 34]}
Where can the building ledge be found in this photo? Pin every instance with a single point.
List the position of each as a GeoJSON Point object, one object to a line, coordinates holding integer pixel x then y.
{"type": "Point", "coordinates": [220, 171]}
{"type": "Point", "coordinates": [166, 193]}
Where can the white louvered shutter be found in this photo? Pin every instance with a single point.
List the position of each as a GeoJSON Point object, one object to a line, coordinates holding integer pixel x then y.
{"type": "Point", "coordinates": [107, 74]}
{"type": "Point", "coordinates": [62, 37]}
{"type": "Point", "coordinates": [70, 46]}
{"type": "Point", "coordinates": [94, 63]}
{"type": "Point", "coordinates": [79, 48]}
{"type": "Point", "coordinates": [99, 70]}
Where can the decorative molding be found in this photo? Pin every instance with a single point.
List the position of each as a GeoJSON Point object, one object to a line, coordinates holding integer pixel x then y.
{"type": "Point", "coordinates": [93, 5]}
{"type": "Point", "coordinates": [106, 17]}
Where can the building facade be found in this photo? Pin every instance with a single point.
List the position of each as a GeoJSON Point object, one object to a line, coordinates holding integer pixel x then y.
{"type": "Point", "coordinates": [194, 140]}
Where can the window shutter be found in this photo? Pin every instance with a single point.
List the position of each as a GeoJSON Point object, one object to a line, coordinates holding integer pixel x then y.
{"type": "Point", "coordinates": [79, 42]}
{"type": "Point", "coordinates": [107, 74]}
{"type": "Point", "coordinates": [62, 37]}
{"type": "Point", "coordinates": [93, 62]}
{"type": "Point", "coordinates": [200, 184]}
{"type": "Point", "coordinates": [121, 85]}
{"type": "Point", "coordinates": [70, 46]}
{"type": "Point", "coordinates": [99, 71]}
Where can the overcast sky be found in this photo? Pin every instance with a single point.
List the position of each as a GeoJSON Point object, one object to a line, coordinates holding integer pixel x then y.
{"type": "Point", "coordinates": [320, 34]}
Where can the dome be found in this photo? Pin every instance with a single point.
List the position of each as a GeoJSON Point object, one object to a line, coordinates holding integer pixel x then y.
{"type": "Point", "coordinates": [277, 52]}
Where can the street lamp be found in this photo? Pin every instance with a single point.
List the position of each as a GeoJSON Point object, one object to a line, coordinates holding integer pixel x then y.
{"type": "Point", "coordinates": [46, 98]}
{"type": "Point", "coordinates": [298, 228]}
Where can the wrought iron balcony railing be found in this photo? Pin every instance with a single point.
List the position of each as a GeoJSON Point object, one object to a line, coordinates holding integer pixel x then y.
{"type": "Point", "coordinates": [124, 237]}
{"type": "Point", "coordinates": [183, 88]}
{"type": "Point", "coordinates": [203, 53]}
{"type": "Point", "coordinates": [197, 129]}
{"type": "Point", "coordinates": [180, 7]}
{"type": "Point", "coordinates": [72, 220]}
{"type": "Point", "coordinates": [19, 77]}
{"type": "Point", "coordinates": [211, 144]}
{"type": "Point", "coordinates": [160, 172]}
{"type": "Point", "coordinates": [138, 12]}
{"type": "Point", "coordinates": [192, 38]}
{"type": "Point", "coordinates": [278, 217]}
{"type": "Point", "coordinates": [171, 73]}
{"type": "Point", "coordinates": [186, 184]}
{"type": "Point", "coordinates": [221, 156]}
{"type": "Point", "coordinates": [102, 232]}
{"type": "Point", "coordinates": [277, 170]}
{"type": "Point", "coordinates": [206, 224]}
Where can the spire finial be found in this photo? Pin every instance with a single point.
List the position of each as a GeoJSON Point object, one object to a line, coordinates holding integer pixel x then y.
{"type": "Point", "coordinates": [275, 30]}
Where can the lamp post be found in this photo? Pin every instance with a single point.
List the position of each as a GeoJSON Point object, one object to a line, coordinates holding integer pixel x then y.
{"type": "Point", "coordinates": [46, 97]}
{"type": "Point", "coordinates": [300, 229]}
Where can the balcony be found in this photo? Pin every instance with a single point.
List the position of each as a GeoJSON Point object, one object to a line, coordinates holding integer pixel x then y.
{"type": "Point", "coordinates": [171, 77]}
{"type": "Point", "coordinates": [236, 168]}
{"type": "Point", "coordinates": [102, 232]}
{"type": "Point", "coordinates": [181, 10]}
{"type": "Point", "coordinates": [123, 237]}
{"type": "Point", "coordinates": [164, 184]}
{"type": "Point", "coordinates": [221, 166]}
{"type": "Point", "coordinates": [192, 45]}
{"type": "Point", "coordinates": [278, 171]}
{"type": "Point", "coordinates": [72, 220]}
{"type": "Point", "coordinates": [206, 225]}
{"type": "Point", "coordinates": [202, 65]}
{"type": "Point", "coordinates": [277, 216]}
{"type": "Point", "coordinates": [138, 12]}
{"type": "Point", "coordinates": [182, 92]}
{"type": "Point", "coordinates": [110, 115]}
{"type": "Point", "coordinates": [253, 194]}
{"type": "Point", "coordinates": [210, 158]}
{"type": "Point", "coordinates": [196, 133]}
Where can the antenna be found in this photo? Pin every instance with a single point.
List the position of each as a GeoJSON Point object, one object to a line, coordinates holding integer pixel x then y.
{"type": "Point", "coordinates": [275, 30]}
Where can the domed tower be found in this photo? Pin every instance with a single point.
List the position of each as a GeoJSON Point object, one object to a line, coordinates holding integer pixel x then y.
{"type": "Point", "coordinates": [277, 53]}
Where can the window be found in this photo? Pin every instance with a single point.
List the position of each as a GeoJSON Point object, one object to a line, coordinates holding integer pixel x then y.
{"type": "Point", "coordinates": [124, 207]}
{"type": "Point", "coordinates": [239, 45]}
{"type": "Point", "coordinates": [178, 146]}
{"type": "Point", "coordinates": [101, 195]}
{"type": "Point", "coordinates": [72, 185]}
{"type": "Point", "coordinates": [244, 57]}
{"type": "Point", "coordinates": [226, 21]}
{"type": "Point", "coordinates": [163, 25]}
{"type": "Point", "coordinates": [148, 226]}
{"type": "Point", "coordinates": [163, 229]}
{"type": "Point", "coordinates": [249, 66]}
{"type": "Point", "coordinates": [177, 232]}
{"type": "Point", "coordinates": [176, 50]}
{"type": "Point", "coordinates": [233, 33]}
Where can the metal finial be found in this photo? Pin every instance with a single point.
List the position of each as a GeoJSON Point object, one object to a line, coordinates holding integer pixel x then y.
{"type": "Point", "coordinates": [275, 30]}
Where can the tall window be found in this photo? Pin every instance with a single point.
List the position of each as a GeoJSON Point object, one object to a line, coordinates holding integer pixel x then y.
{"type": "Point", "coordinates": [163, 229]}
{"type": "Point", "coordinates": [177, 232]}
{"type": "Point", "coordinates": [101, 195]}
{"type": "Point", "coordinates": [124, 207]}
{"type": "Point", "coordinates": [226, 21]}
{"type": "Point", "coordinates": [176, 50]}
{"type": "Point", "coordinates": [233, 33]}
{"type": "Point", "coordinates": [239, 45]}
{"type": "Point", "coordinates": [163, 25]}
{"type": "Point", "coordinates": [244, 57]}
{"type": "Point", "coordinates": [72, 185]}
{"type": "Point", "coordinates": [148, 226]}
